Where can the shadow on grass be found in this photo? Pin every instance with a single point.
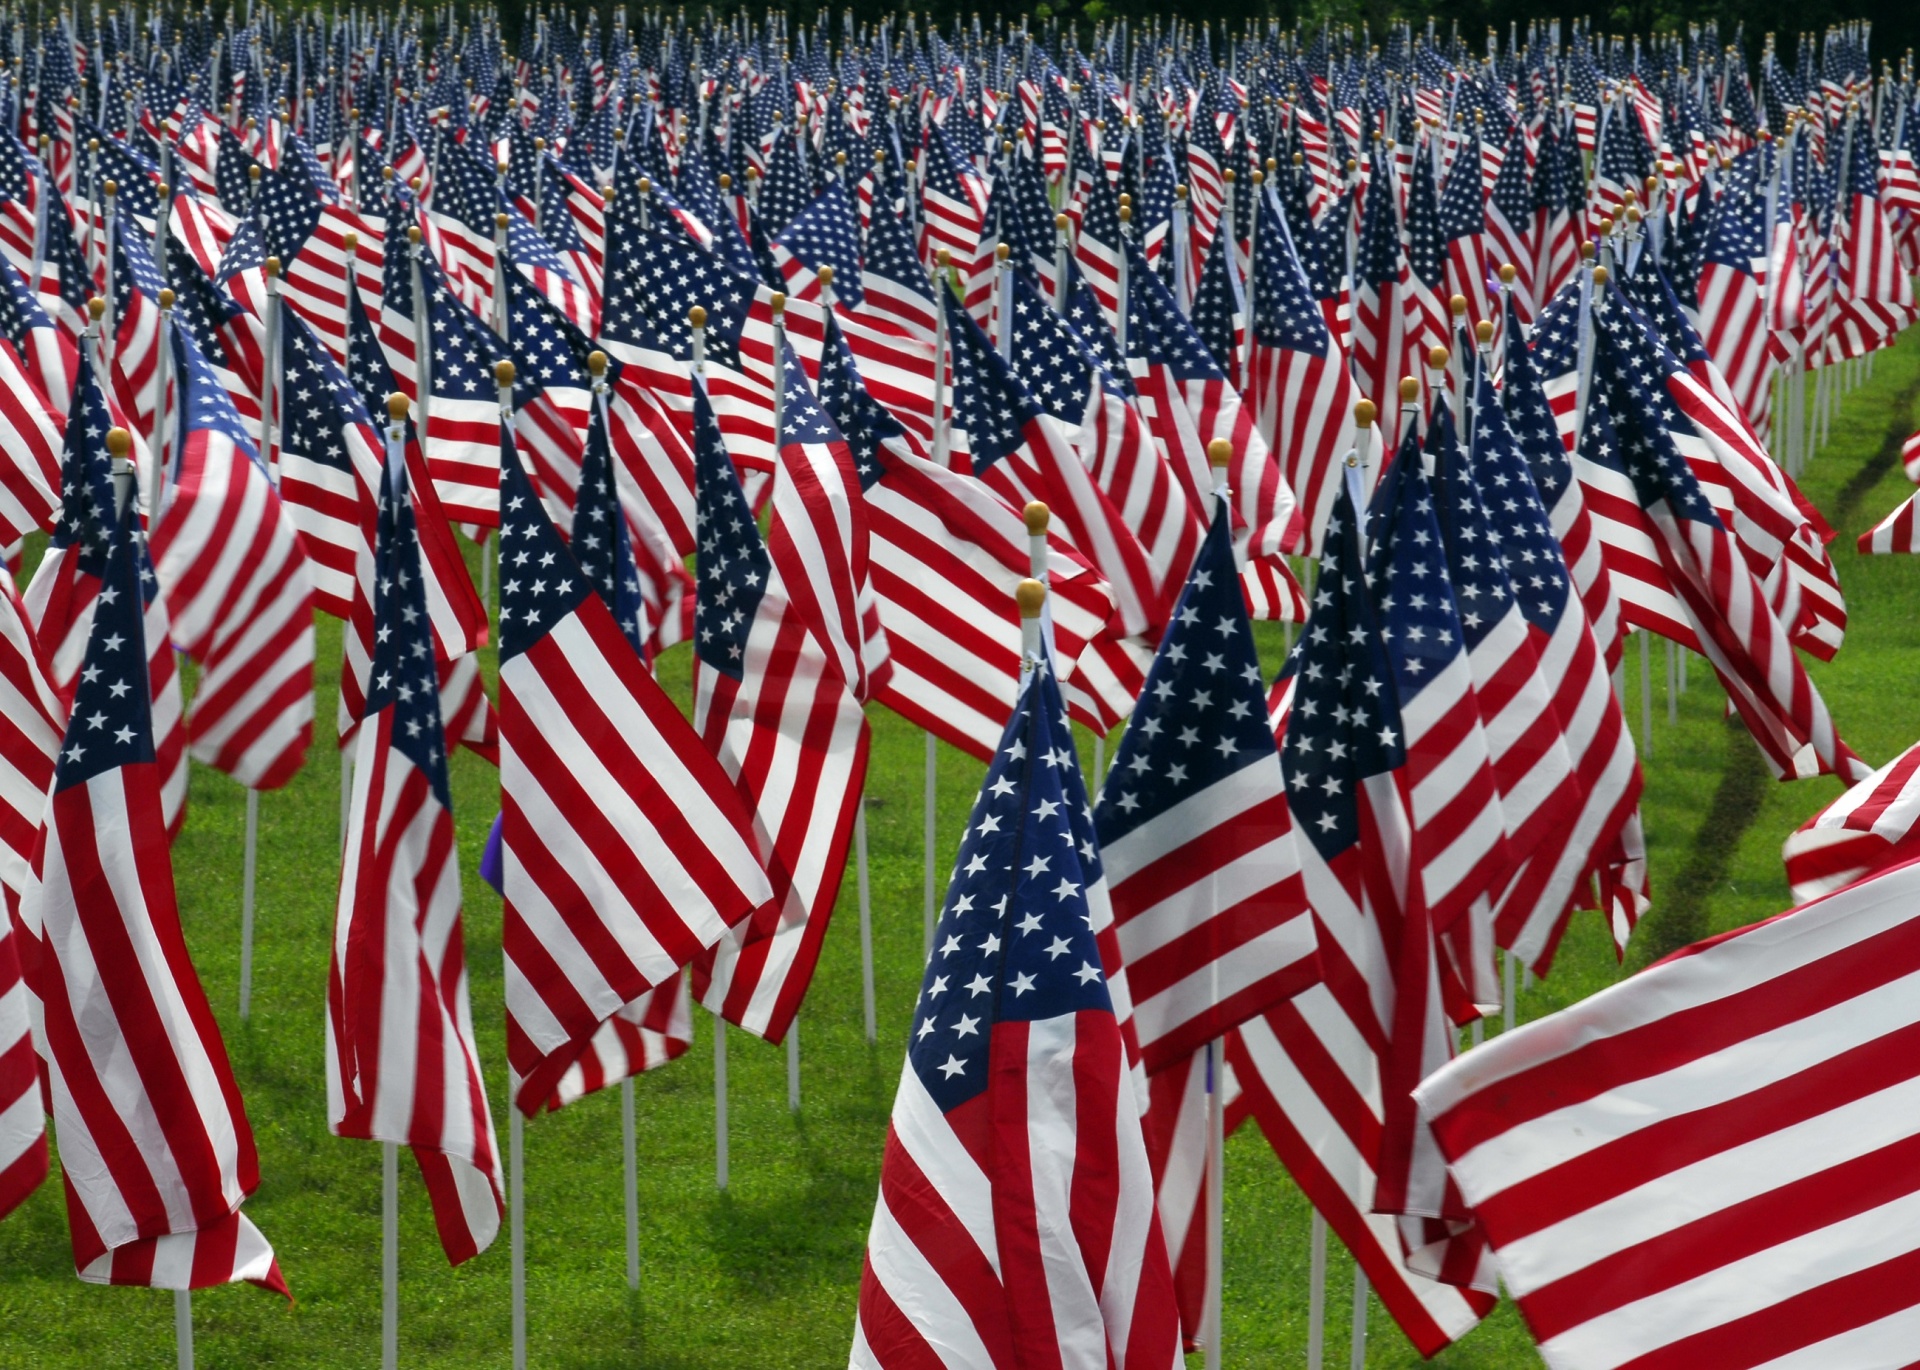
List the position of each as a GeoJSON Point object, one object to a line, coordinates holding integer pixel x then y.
{"type": "Point", "coordinates": [1881, 462]}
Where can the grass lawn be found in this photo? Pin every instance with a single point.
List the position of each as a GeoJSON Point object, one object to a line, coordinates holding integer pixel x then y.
{"type": "Point", "coordinates": [765, 1274]}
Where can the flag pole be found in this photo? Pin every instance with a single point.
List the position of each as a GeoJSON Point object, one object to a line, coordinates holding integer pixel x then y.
{"type": "Point", "coordinates": [250, 860]}
{"type": "Point", "coordinates": [630, 1168]}
{"type": "Point", "coordinates": [183, 1328]}
{"type": "Point", "coordinates": [1317, 1293]}
{"type": "Point", "coordinates": [389, 1256]}
{"type": "Point", "coordinates": [1357, 1354]}
{"type": "Point", "coordinates": [942, 441]}
{"type": "Point", "coordinates": [719, 1102]}
{"type": "Point", "coordinates": [778, 305]}
{"type": "Point", "coordinates": [871, 1018]}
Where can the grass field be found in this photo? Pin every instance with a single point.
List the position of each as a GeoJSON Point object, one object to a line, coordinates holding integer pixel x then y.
{"type": "Point", "coordinates": [765, 1274]}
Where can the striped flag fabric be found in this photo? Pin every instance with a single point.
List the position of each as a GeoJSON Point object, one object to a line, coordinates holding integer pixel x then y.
{"type": "Point", "coordinates": [626, 848]}
{"type": "Point", "coordinates": [1384, 334]}
{"type": "Point", "coordinates": [402, 1065]}
{"type": "Point", "coordinates": [237, 587]}
{"type": "Point", "coordinates": [153, 1137]}
{"type": "Point", "coordinates": [769, 701]}
{"type": "Point", "coordinates": [1868, 828]}
{"type": "Point", "coordinates": [1710, 1163]}
{"type": "Point", "coordinates": [1731, 290]}
{"type": "Point", "coordinates": [1194, 831]}
{"type": "Point", "coordinates": [1874, 291]}
{"type": "Point", "coordinates": [1015, 1214]}
{"type": "Point", "coordinates": [1314, 1068]}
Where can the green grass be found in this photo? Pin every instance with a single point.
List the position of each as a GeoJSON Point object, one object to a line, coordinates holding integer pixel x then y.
{"type": "Point", "coordinates": [765, 1274]}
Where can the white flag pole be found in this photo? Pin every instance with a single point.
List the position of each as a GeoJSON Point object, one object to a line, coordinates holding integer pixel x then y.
{"type": "Point", "coordinates": [793, 1066]}
{"type": "Point", "coordinates": [871, 1017]}
{"type": "Point", "coordinates": [1210, 1318]}
{"type": "Point", "coordinates": [1317, 1293]}
{"type": "Point", "coordinates": [517, 1224]}
{"type": "Point", "coordinates": [250, 861]}
{"type": "Point", "coordinates": [719, 1102]}
{"type": "Point", "coordinates": [927, 839]}
{"type": "Point", "coordinates": [1357, 1355]}
{"type": "Point", "coordinates": [183, 1328]}
{"type": "Point", "coordinates": [389, 1256]}
{"type": "Point", "coordinates": [630, 1167]}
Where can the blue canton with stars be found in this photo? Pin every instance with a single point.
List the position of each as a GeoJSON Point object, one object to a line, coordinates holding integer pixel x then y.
{"type": "Point", "coordinates": [601, 543]}
{"type": "Point", "coordinates": [990, 405]}
{"type": "Point", "coordinates": [1216, 303]}
{"type": "Point", "coordinates": [204, 405]}
{"type": "Point", "coordinates": [1646, 451]}
{"type": "Point", "coordinates": [890, 255]}
{"type": "Point", "coordinates": [1048, 358]}
{"type": "Point", "coordinates": [731, 565]}
{"type": "Point", "coordinates": [86, 475]}
{"type": "Point", "coordinates": [1015, 941]}
{"type": "Point", "coordinates": [1377, 262]}
{"type": "Point", "coordinates": [1284, 312]}
{"type": "Point", "coordinates": [1344, 722]}
{"type": "Point", "coordinates": [111, 723]}
{"type": "Point", "coordinates": [1476, 558]}
{"type": "Point", "coordinates": [1407, 571]}
{"type": "Point", "coordinates": [1426, 251]}
{"type": "Point", "coordinates": [671, 275]}
{"type": "Point", "coordinates": [1202, 714]}
{"type": "Point", "coordinates": [1516, 520]}
{"type": "Point", "coordinates": [861, 419]}
{"type": "Point", "coordinates": [801, 418]}
{"type": "Point", "coordinates": [540, 583]}
{"type": "Point", "coordinates": [402, 676]}
{"type": "Point", "coordinates": [317, 400]}
{"type": "Point", "coordinates": [1463, 211]}
{"type": "Point", "coordinates": [548, 350]}
{"type": "Point", "coordinates": [1158, 332]}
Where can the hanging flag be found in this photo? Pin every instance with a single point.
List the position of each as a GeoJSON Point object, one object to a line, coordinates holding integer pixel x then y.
{"type": "Point", "coordinates": [153, 1138]}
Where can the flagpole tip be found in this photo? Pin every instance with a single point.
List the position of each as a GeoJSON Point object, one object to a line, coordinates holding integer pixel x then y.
{"type": "Point", "coordinates": [1586, 251]}
{"type": "Point", "coordinates": [1458, 304]}
{"type": "Point", "coordinates": [943, 258]}
{"type": "Point", "coordinates": [413, 235]}
{"type": "Point", "coordinates": [1364, 413]}
{"type": "Point", "coordinates": [825, 276]}
{"type": "Point", "coordinates": [1030, 594]}
{"type": "Point", "coordinates": [1599, 275]}
{"type": "Point", "coordinates": [271, 266]}
{"type": "Point", "coordinates": [1436, 358]}
{"type": "Point", "coordinates": [97, 307]}
{"type": "Point", "coordinates": [1002, 252]}
{"type": "Point", "coordinates": [697, 316]}
{"type": "Point", "coordinates": [1036, 515]}
{"type": "Point", "coordinates": [351, 241]}
{"type": "Point", "coordinates": [1507, 273]}
{"type": "Point", "coordinates": [1409, 389]}
{"type": "Point", "coordinates": [166, 300]}
{"type": "Point", "coordinates": [1483, 332]}
{"type": "Point", "coordinates": [596, 363]}
{"type": "Point", "coordinates": [119, 443]}
{"type": "Point", "coordinates": [503, 374]}
{"type": "Point", "coordinates": [1219, 453]}
{"type": "Point", "coordinates": [778, 303]}
{"type": "Point", "coordinates": [397, 407]}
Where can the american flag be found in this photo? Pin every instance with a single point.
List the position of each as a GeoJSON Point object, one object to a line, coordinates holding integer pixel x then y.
{"type": "Point", "coordinates": [893, 284]}
{"type": "Point", "coordinates": [153, 1137]}
{"type": "Point", "coordinates": [46, 355]}
{"type": "Point", "coordinates": [1867, 829]}
{"type": "Point", "coordinates": [132, 327]}
{"type": "Point", "coordinates": [1463, 223]}
{"type": "Point", "coordinates": [1312, 1068]}
{"type": "Point", "coordinates": [402, 1065]}
{"type": "Point", "coordinates": [1531, 913]}
{"type": "Point", "coordinates": [60, 597]}
{"type": "Point", "coordinates": [1875, 293]}
{"type": "Point", "coordinates": [953, 199]}
{"type": "Point", "coordinates": [1384, 335]}
{"type": "Point", "coordinates": [454, 383]}
{"type": "Point", "coordinates": [31, 723]}
{"type": "Point", "coordinates": [1556, 249]}
{"type": "Point", "coordinates": [1043, 1241]}
{"type": "Point", "coordinates": [30, 430]}
{"type": "Point", "coordinates": [237, 587]}
{"type": "Point", "coordinates": [627, 849]}
{"type": "Point", "coordinates": [1194, 831]}
{"type": "Point", "coordinates": [1710, 1163]}
{"type": "Point", "coordinates": [1428, 322]}
{"type": "Point", "coordinates": [1732, 314]}
{"type": "Point", "coordinates": [771, 704]}
{"type": "Point", "coordinates": [232, 341]}
{"type": "Point", "coordinates": [824, 234]}
{"type": "Point", "coordinates": [466, 196]}
{"type": "Point", "coordinates": [1298, 384]}
{"type": "Point", "coordinates": [1099, 245]}
{"type": "Point", "coordinates": [1725, 614]}
{"type": "Point", "coordinates": [1511, 226]}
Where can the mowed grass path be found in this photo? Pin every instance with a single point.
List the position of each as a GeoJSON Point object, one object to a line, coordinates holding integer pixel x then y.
{"type": "Point", "coordinates": [766, 1273]}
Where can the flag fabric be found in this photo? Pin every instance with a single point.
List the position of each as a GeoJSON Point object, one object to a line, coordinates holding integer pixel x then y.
{"type": "Point", "coordinates": [1015, 1214]}
{"type": "Point", "coordinates": [1313, 1068]}
{"type": "Point", "coordinates": [1384, 334]}
{"type": "Point", "coordinates": [1867, 829]}
{"type": "Point", "coordinates": [237, 587]}
{"type": "Point", "coordinates": [402, 1065]}
{"type": "Point", "coordinates": [1709, 1163]}
{"type": "Point", "coordinates": [153, 1137]}
{"type": "Point", "coordinates": [626, 848]}
{"type": "Point", "coordinates": [770, 702]}
{"type": "Point", "coordinates": [1874, 292]}
{"type": "Point", "coordinates": [1194, 831]}
{"type": "Point", "coordinates": [1731, 295]}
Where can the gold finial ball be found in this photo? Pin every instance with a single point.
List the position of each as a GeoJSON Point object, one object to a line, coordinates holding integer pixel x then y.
{"type": "Point", "coordinates": [397, 407]}
{"type": "Point", "coordinates": [97, 307]}
{"type": "Point", "coordinates": [1458, 304]}
{"type": "Point", "coordinates": [162, 189]}
{"type": "Point", "coordinates": [726, 180]}
{"type": "Point", "coordinates": [1030, 594]}
{"type": "Point", "coordinates": [1126, 214]}
{"type": "Point", "coordinates": [503, 373]}
{"type": "Point", "coordinates": [597, 362]}
{"type": "Point", "coordinates": [1036, 515]}
{"type": "Point", "coordinates": [1507, 273]}
{"type": "Point", "coordinates": [111, 186]}
{"type": "Point", "coordinates": [119, 442]}
{"type": "Point", "coordinates": [271, 266]}
{"type": "Point", "coordinates": [646, 185]}
{"type": "Point", "coordinates": [1259, 176]}
{"type": "Point", "coordinates": [500, 220]}
{"type": "Point", "coordinates": [352, 241]}
{"type": "Point", "coordinates": [697, 316]}
{"type": "Point", "coordinates": [1364, 413]}
{"type": "Point", "coordinates": [1409, 390]}
{"type": "Point", "coordinates": [1483, 332]}
{"type": "Point", "coordinates": [413, 235]}
{"type": "Point", "coordinates": [1219, 452]}
{"type": "Point", "coordinates": [1002, 252]}
{"type": "Point", "coordinates": [1606, 223]}
{"type": "Point", "coordinates": [943, 258]}
{"type": "Point", "coordinates": [778, 301]}
{"type": "Point", "coordinates": [1060, 222]}
{"type": "Point", "coordinates": [1228, 176]}
{"type": "Point", "coordinates": [825, 276]}
{"type": "Point", "coordinates": [1599, 275]}
{"type": "Point", "coordinates": [1632, 196]}
{"type": "Point", "coordinates": [1586, 252]}
{"type": "Point", "coordinates": [415, 184]}
{"type": "Point", "coordinates": [1436, 357]}
{"type": "Point", "coordinates": [166, 299]}
{"type": "Point", "coordinates": [253, 172]}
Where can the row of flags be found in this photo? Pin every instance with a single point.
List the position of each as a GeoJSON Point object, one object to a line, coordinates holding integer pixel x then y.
{"type": "Point", "coordinates": [803, 346]}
